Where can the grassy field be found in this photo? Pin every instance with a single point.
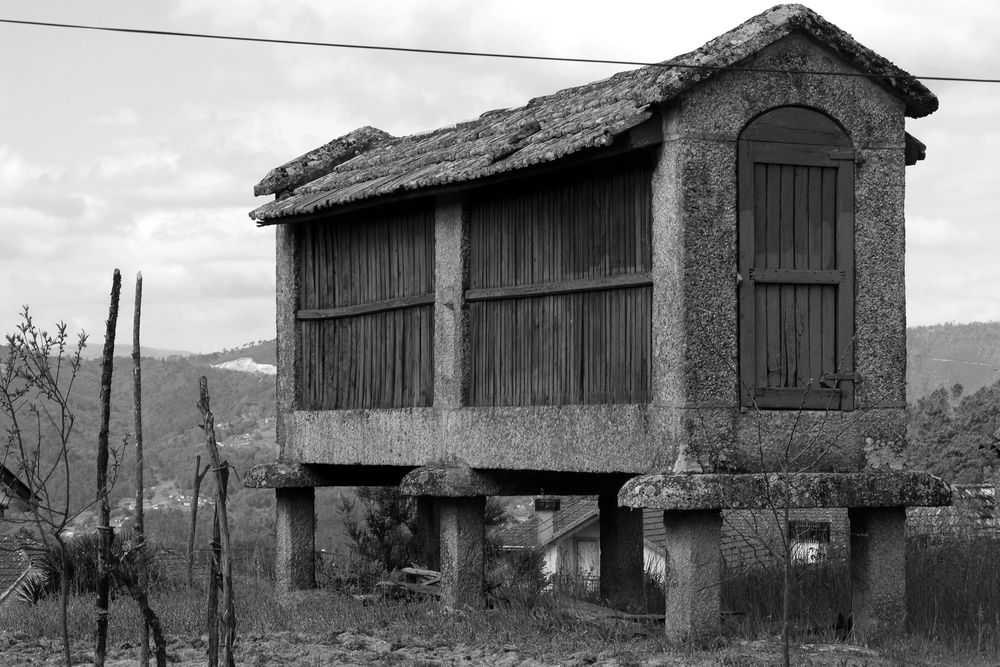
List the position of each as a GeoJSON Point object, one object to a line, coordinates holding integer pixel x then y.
{"type": "Point", "coordinates": [953, 618]}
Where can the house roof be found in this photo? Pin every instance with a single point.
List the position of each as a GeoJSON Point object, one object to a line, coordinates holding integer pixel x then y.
{"type": "Point", "coordinates": [14, 483]}
{"type": "Point", "coordinates": [14, 564]}
{"type": "Point", "coordinates": [369, 163]}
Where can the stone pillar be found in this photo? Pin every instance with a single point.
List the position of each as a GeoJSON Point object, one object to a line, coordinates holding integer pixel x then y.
{"type": "Point", "coordinates": [621, 554]}
{"type": "Point", "coordinates": [450, 320]}
{"type": "Point", "coordinates": [878, 570]}
{"type": "Point", "coordinates": [693, 574]}
{"type": "Point", "coordinates": [429, 523]}
{"type": "Point", "coordinates": [462, 535]}
{"type": "Point", "coordinates": [295, 544]}
{"type": "Point", "coordinates": [289, 347]}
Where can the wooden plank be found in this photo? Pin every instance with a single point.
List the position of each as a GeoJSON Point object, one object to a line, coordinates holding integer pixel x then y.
{"type": "Point", "coordinates": [845, 296]}
{"type": "Point", "coordinates": [749, 234]}
{"type": "Point", "coordinates": [793, 398]}
{"type": "Point", "coordinates": [792, 154]}
{"type": "Point", "coordinates": [561, 287]}
{"type": "Point", "coordinates": [798, 276]}
{"type": "Point", "coordinates": [814, 303]}
{"type": "Point", "coordinates": [795, 125]}
{"type": "Point", "coordinates": [365, 308]}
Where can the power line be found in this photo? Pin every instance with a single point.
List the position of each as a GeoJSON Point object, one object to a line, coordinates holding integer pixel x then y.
{"type": "Point", "coordinates": [477, 54]}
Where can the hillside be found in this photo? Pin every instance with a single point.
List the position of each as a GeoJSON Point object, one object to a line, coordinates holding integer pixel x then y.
{"type": "Point", "coordinates": [943, 355]}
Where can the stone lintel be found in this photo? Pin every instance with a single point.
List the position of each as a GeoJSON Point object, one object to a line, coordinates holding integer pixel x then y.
{"type": "Point", "coordinates": [795, 490]}
{"type": "Point", "coordinates": [448, 482]}
{"type": "Point", "coordinates": [296, 475]}
{"type": "Point", "coordinates": [457, 481]}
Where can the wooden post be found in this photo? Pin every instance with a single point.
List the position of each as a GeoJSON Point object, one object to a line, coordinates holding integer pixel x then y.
{"type": "Point", "coordinates": [137, 414]}
{"type": "Point", "coordinates": [226, 564]}
{"type": "Point", "coordinates": [212, 624]}
{"type": "Point", "coordinates": [104, 527]}
{"type": "Point", "coordinates": [198, 476]}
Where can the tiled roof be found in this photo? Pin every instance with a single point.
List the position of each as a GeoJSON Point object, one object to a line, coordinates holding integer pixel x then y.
{"type": "Point", "coordinates": [575, 513]}
{"type": "Point", "coordinates": [369, 163]}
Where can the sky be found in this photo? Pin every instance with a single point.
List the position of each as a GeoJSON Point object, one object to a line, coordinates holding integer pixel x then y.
{"type": "Point", "coordinates": [141, 152]}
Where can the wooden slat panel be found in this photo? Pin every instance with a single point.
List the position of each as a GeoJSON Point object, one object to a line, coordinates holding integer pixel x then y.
{"type": "Point", "coordinates": [796, 216]}
{"type": "Point", "coordinates": [559, 289]}
{"type": "Point", "coordinates": [367, 319]}
{"type": "Point", "coordinates": [562, 349]}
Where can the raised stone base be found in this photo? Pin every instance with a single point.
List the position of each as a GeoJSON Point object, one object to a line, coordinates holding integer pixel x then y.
{"type": "Point", "coordinates": [294, 568]}
{"type": "Point", "coordinates": [693, 574]}
{"type": "Point", "coordinates": [462, 537]}
{"type": "Point", "coordinates": [876, 505]}
{"type": "Point", "coordinates": [878, 566]}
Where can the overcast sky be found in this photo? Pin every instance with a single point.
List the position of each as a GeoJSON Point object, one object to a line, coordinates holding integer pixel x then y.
{"type": "Point", "coordinates": [140, 152]}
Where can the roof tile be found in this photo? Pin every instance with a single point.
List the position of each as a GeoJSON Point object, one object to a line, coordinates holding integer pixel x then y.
{"type": "Point", "coordinates": [369, 163]}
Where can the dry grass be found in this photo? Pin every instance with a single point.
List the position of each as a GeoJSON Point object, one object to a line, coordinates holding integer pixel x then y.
{"type": "Point", "coordinates": [954, 614]}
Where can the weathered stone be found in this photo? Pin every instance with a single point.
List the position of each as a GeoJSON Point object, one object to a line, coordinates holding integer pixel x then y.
{"type": "Point", "coordinates": [281, 476]}
{"type": "Point", "coordinates": [693, 574]}
{"type": "Point", "coordinates": [878, 571]}
{"type": "Point", "coordinates": [463, 533]}
{"type": "Point", "coordinates": [451, 340]}
{"type": "Point", "coordinates": [621, 553]}
{"type": "Point", "coordinates": [295, 539]}
{"type": "Point", "coordinates": [320, 161]}
{"type": "Point", "coordinates": [794, 490]}
{"type": "Point", "coordinates": [448, 481]}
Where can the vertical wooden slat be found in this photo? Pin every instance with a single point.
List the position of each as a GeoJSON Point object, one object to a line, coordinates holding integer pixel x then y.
{"type": "Point", "coordinates": [803, 371]}
{"type": "Point", "coordinates": [815, 224]}
{"type": "Point", "coordinates": [561, 348]}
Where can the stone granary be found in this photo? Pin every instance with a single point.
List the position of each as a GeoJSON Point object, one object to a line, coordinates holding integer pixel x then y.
{"type": "Point", "coordinates": [688, 268]}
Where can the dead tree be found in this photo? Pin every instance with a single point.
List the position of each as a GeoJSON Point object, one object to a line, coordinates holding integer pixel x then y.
{"type": "Point", "coordinates": [226, 564]}
{"type": "Point", "coordinates": [104, 528]}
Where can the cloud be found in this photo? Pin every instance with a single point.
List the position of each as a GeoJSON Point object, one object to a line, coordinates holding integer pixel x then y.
{"type": "Point", "coordinates": [137, 164]}
{"type": "Point", "coordinates": [123, 116]}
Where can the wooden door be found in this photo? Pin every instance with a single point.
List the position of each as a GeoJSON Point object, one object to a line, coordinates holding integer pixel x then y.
{"type": "Point", "coordinates": [796, 262]}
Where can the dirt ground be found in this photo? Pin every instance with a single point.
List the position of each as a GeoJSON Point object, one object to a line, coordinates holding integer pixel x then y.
{"type": "Point", "coordinates": [352, 648]}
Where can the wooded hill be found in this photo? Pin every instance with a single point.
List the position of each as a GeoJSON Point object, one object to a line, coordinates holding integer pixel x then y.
{"type": "Point", "coordinates": [943, 355]}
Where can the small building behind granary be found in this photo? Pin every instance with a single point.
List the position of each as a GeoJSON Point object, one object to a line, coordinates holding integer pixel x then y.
{"type": "Point", "coordinates": [15, 496]}
{"type": "Point", "coordinates": [695, 266]}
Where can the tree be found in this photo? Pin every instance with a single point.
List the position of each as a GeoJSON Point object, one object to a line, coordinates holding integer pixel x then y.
{"type": "Point", "coordinates": [36, 381]}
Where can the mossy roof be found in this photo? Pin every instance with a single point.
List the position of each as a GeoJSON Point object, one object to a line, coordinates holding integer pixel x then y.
{"type": "Point", "coordinates": [368, 164]}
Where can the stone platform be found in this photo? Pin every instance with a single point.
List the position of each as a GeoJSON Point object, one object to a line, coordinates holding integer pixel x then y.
{"type": "Point", "coordinates": [692, 516]}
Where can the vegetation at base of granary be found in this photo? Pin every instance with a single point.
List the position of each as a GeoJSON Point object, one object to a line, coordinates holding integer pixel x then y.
{"type": "Point", "coordinates": [953, 597]}
{"type": "Point", "coordinates": [954, 435]}
{"type": "Point", "coordinates": [384, 530]}
{"type": "Point", "coordinates": [546, 629]}
{"type": "Point", "coordinates": [386, 533]}
{"type": "Point", "coordinates": [953, 592]}
{"type": "Point", "coordinates": [820, 598]}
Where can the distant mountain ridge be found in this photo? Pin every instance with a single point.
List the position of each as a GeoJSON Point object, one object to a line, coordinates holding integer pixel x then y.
{"type": "Point", "coordinates": [95, 348]}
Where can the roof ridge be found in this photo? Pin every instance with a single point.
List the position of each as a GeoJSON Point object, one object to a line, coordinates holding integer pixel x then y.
{"type": "Point", "coordinates": [551, 126]}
